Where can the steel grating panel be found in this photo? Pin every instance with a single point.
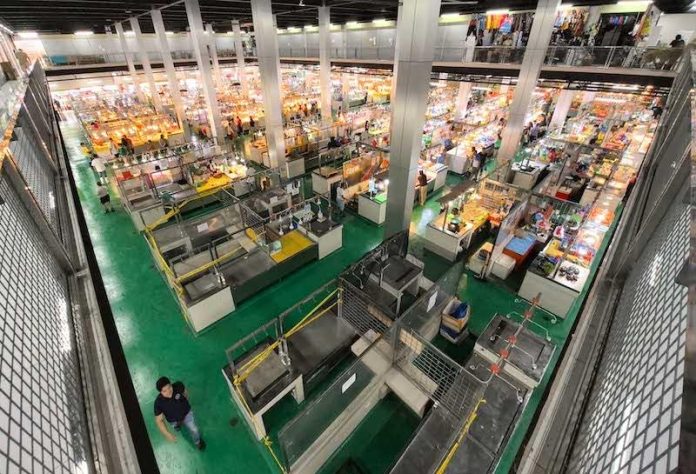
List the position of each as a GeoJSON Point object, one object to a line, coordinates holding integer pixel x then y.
{"type": "Point", "coordinates": [42, 427]}
{"type": "Point", "coordinates": [633, 417]}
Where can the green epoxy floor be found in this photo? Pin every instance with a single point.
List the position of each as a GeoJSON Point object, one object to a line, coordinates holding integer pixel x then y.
{"type": "Point", "coordinates": [157, 341]}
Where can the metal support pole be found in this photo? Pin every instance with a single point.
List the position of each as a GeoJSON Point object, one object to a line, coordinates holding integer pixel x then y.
{"type": "Point", "coordinates": [415, 43]}
{"type": "Point", "coordinates": [193, 13]}
{"type": "Point", "coordinates": [534, 56]}
{"type": "Point", "coordinates": [269, 68]}
{"type": "Point", "coordinates": [325, 64]}
{"type": "Point", "coordinates": [239, 52]}
{"type": "Point", "coordinates": [131, 64]}
{"type": "Point", "coordinates": [172, 80]}
{"type": "Point", "coordinates": [145, 61]}
{"type": "Point", "coordinates": [213, 54]}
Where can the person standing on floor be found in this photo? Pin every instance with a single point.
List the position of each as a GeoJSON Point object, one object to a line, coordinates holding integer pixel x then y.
{"type": "Point", "coordinates": [104, 197]}
{"type": "Point", "coordinates": [482, 165]}
{"type": "Point", "coordinates": [422, 187]}
{"type": "Point", "coordinates": [99, 167]}
{"type": "Point", "coordinates": [173, 405]}
{"type": "Point", "coordinates": [340, 197]}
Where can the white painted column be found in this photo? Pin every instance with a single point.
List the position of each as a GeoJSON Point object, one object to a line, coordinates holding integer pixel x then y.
{"type": "Point", "coordinates": [560, 111]}
{"type": "Point", "coordinates": [131, 64]}
{"type": "Point", "coordinates": [415, 38]}
{"type": "Point", "coordinates": [172, 80]}
{"type": "Point", "coordinates": [213, 54]}
{"type": "Point", "coordinates": [193, 13]}
{"type": "Point", "coordinates": [395, 68]}
{"type": "Point", "coordinates": [269, 69]}
{"type": "Point", "coordinates": [534, 55]}
{"type": "Point", "coordinates": [463, 98]}
{"type": "Point", "coordinates": [239, 52]}
{"type": "Point", "coordinates": [145, 61]}
{"type": "Point", "coordinates": [325, 64]}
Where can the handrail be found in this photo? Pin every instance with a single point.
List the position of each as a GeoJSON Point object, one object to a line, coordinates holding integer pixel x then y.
{"type": "Point", "coordinates": [631, 57]}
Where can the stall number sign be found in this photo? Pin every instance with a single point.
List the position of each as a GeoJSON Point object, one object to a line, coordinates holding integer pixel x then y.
{"type": "Point", "coordinates": [348, 383]}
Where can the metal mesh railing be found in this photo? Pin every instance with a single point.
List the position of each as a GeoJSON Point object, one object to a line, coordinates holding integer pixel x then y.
{"type": "Point", "coordinates": [361, 312]}
{"type": "Point", "coordinates": [444, 380]}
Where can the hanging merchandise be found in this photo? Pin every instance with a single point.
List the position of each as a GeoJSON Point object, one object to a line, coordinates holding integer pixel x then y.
{"type": "Point", "coordinates": [506, 24]}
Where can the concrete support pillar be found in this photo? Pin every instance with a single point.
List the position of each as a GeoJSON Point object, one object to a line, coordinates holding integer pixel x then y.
{"type": "Point", "coordinates": [463, 98]}
{"type": "Point", "coordinates": [239, 52]}
{"type": "Point", "coordinates": [169, 70]}
{"type": "Point", "coordinates": [213, 54]}
{"type": "Point", "coordinates": [193, 13]}
{"type": "Point", "coordinates": [560, 111]}
{"type": "Point", "coordinates": [145, 61]}
{"type": "Point", "coordinates": [131, 64]}
{"type": "Point", "coordinates": [534, 55]}
{"type": "Point", "coordinates": [395, 69]}
{"type": "Point", "coordinates": [325, 64]}
{"type": "Point", "coordinates": [269, 69]}
{"type": "Point", "coordinates": [415, 39]}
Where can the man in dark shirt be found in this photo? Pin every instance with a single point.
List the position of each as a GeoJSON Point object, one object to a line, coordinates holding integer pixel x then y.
{"type": "Point", "coordinates": [677, 42]}
{"type": "Point", "coordinates": [172, 404]}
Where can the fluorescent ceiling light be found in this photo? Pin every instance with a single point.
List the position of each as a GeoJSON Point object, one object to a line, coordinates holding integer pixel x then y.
{"type": "Point", "coordinates": [566, 6]}
{"type": "Point", "coordinates": [450, 15]}
{"type": "Point", "coordinates": [502, 11]}
{"type": "Point", "coordinates": [28, 34]}
{"type": "Point", "coordinates": [232, 32]}
{"type": "Point", "coordinates": [379, 20]}
{"type": "Point", "coordinates": [352, 23]}
{"type": "Point", "coordinates": [85, 33]}
{"type": "Point", "coordinates": [127, 33]}
{"type": "Point", "coordinates": [635, 3]}
{"type": "Point", "coordinates": [168, 32]}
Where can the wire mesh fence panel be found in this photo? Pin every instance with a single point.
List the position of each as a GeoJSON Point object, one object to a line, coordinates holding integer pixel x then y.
{"type": "Point", "coordinates": [41, 396]}
{"type": "Point", "coordinates": [361, 312]}
{"type": "Point", "coordinates": [440, 377]}
{"type": "Point", "coordinates": [252, 221]}
{"type": "Point", "coordinates": [36, 169]}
